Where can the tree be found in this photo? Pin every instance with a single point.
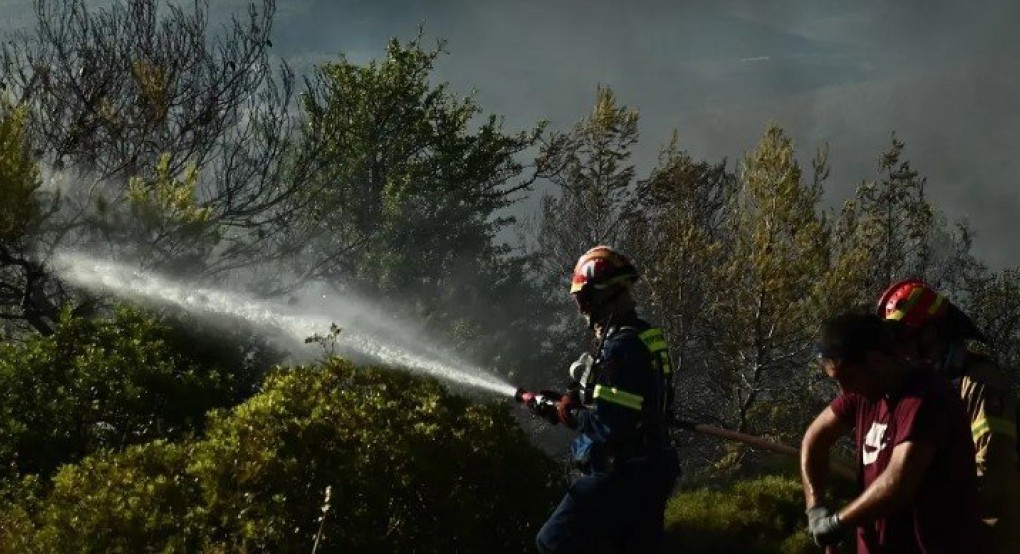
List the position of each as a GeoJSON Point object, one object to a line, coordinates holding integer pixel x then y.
{"type": "Point", "coordinates": [772, 277]}
{"type": "Point", "coordinates": [993, 301]}
{"type": "Point", "coordinates": [136, 101]}
{"type": "Point", "coordinates": [23, 207]}
{"type": "Point", "coordinates": [406, 183]}
{"type": "Point", "coordinates": [20, 207]}
{"type": "Point", "coordinates": [398, 160]}
{"type": "Point", "coordinates": [893, 231]}
{"type": "Point", "coordinates": [593, 182]}
{"type": "Point", "coordinates": [679, 236]}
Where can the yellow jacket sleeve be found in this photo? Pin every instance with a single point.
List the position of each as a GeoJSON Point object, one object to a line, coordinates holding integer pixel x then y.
{"type": "Point", "coordinates": [992, 410]}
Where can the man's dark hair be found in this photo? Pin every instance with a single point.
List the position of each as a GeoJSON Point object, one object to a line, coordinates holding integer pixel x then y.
{"type": "Point", "coordinates": [850, 336]}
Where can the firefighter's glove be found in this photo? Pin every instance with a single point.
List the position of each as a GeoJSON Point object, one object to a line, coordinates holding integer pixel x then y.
{"type": "Point", "coordinates": [824, 526]}
{"type": "Point", "coordinates": [543, 405]}
{"type": "Point", "coordinates": [567, 406]}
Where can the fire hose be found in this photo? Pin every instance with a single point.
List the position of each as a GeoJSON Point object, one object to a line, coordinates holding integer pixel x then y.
{"type": "Point", "coordinates": [761, 443]}
{"type": "Point", "coordinates": [758, 442]}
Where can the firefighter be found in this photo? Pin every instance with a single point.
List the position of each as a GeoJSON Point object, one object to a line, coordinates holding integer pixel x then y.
{"type": "Point", "coordinates": [931, 328]}
{"type": "Point", "coordinates": [619, 403]}
{"type": "Point", "coordinates": [915, 457]}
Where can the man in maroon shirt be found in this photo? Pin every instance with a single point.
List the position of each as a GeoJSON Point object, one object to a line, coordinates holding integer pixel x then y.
{"type": "Point", "coordinates": [915, 457]}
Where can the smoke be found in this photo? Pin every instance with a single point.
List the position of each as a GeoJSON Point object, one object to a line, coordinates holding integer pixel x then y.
{"type": "Point", "coordinates": [942, 74]}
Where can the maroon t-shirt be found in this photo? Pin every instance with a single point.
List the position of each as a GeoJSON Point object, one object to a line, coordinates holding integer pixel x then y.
{"type": "Point", "coordinates": [943, 516]}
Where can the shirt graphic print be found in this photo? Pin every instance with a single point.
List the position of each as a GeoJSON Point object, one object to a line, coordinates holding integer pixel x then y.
{"type": "Point", "coordinates": [874, 442]}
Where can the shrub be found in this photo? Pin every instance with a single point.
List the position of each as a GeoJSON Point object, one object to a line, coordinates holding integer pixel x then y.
{"type": "Point", "coordinates": [763, 514]}
{"type": "Point", "coordinates": [136, 500]}
{"type": "Point", "coordinates": [101, 384]}
{"type": "Point", "coordinates": [412, 468]}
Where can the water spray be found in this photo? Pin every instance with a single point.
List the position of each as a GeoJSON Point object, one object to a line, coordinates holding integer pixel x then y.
{"type": "Point", "coordinates": [127, 282]}
{"type": "Point", "coordinates": [383, 344]}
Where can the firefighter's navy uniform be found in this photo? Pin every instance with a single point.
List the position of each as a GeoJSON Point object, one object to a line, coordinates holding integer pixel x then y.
{"type": "Point", "coordinates": [622, 448]}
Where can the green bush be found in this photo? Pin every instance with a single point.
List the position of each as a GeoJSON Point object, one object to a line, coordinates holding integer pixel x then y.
{"type": "Point", "coordinates": [135, 500]}
{"type": "Point", "coordinates": [411, 468]}
{"type": "Point", "coordinates": [101, 384]}
{"type": "Point", "coordinates": [763, 514]}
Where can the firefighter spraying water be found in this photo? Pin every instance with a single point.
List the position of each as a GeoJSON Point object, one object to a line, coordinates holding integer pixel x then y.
{"type": "Point", "coordinates": [620, 404]}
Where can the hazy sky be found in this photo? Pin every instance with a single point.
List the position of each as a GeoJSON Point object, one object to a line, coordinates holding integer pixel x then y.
{"type": "Point", "coordinates": [945, 75]}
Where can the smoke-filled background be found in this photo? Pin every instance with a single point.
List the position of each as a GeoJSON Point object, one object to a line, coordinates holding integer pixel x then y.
{"type": "Point", "coordinates": [943, 75]}
{"type": "Point", "coordinates": [176, 191]}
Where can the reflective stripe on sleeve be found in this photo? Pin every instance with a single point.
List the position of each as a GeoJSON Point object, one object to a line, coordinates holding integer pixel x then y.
{"type": "Point", "coordinates": [667, 367]}
{"type": "Point", "coordinates": [617, 396]}
{"type": "Point", "coordinates": [653, 339]}
{"type": "Point", "coordinates": [982, 426]}
{"type": "Point", "coordinates": [655, 342]}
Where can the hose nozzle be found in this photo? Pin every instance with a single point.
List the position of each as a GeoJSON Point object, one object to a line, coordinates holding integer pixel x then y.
{"type": "Point", "coordinates": [523, 396]}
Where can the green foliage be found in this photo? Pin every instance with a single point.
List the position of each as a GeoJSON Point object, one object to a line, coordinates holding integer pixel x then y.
{"type": "Point", "coordinates": [136, 500]}
{"type": "Point", "coordinates": [772, 275]}
{"type": "Point", "coordinates": [594, 179]}
{"type": "Point", "coordinates": [237, 347]}
{"type": "Point", "coordinates": [994, 304]}
{"type": "Point", "coordinates": [162, 220]}
{"type": "Point", "coordinates": [19, 501]}
{"type": "Point", "coordinates": [410, 466]}
{"type": "Point", "coordinates": [760, 515]}
{"type": "Point", "coordinates": [407, 179]}
{"type": "Point", "coordinates": [19, 178]}
{"type": "Point", "coordinates": [677, 236]}
{"type": "Point", "coordinates": [166, 199]}
{"type": "Point", "coordinates": [98, 384]}
{"type": "Point", "coordinates": [891, 230]}
{"type": "Point", "coordinates": [402, 201]}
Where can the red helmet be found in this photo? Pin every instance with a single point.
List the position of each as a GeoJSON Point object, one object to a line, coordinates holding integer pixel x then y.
{"type": "Point", "coordinates": [601, 268]}
{"type": "Point", "coordinates": [912, 303]}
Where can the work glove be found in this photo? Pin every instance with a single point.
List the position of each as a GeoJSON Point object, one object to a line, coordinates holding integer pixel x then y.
{"type": "Point", "coordinates": [824, 526]}
{"type": "Point", "coordinates": [566, 406]}
{"type": "Point", "coordinates": [544, 406]}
